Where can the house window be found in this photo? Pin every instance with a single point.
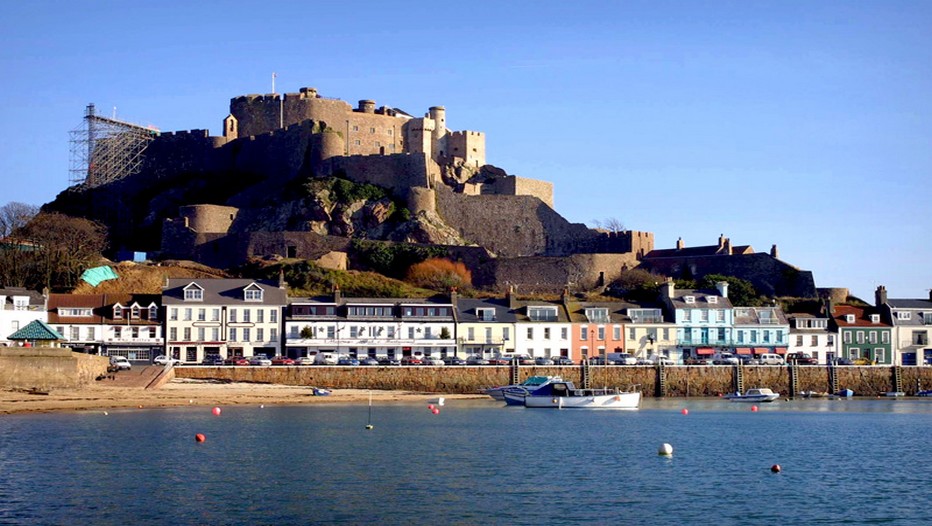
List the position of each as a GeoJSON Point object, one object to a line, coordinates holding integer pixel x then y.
{"type": "Point", "coordinates": [847, 337]}
{"type": "Point", "coordinates": [712, 299]}
{"type": "Point", "coordinates": [542, 313]}
{"type": "Point", "coordinates": [117, 312]}
{"type": "Point", "coordinates": [799, 340]}
{"type": "Point", "coordinates": [689, 299]}
{"type": "Point", "coordinates": [193, 293]}
{"type": "Point", "coordinates": [597, 315]}
{"type": "Point", "coordinates": [584, 333]}
{"type": "Point", "coordinates": [331, 332]}
{"type": "Point", "coordinates": [815, 341]}
{"type": "Point", "coordinates": [273, 335]}
{"type": "Point", "coordinates": [485, 314]}
{"type": "Point", "coordinates": [246, 333]}
{"type": "Point", "coordinates": [118, 333]}
{"type": "Point", "coordinates": [233, 334]}
{"type": "Point", "coordinates": [601, 333]}
{"type": "Point", "coordinates": [880, 355]}
{"type": "Point", "coordinates": [247, 316]}
{"type": "Point", "coordinates": [153, 312]}
{"type": "Point", "coordinates": [488, 335]}
{"type": "Point", "coordinates": [530, 333]}
{"type": "Point", "coordinates": [860, 337]}
{"type": "Point", "coordinates": [187, 334]}
{"type": "Point", "coordinates": [616, 333]}
{"type": "Point", "coordinates": [704, 315]}
{"type": "Point", "coordinates": [885, 337]}
{"type": "Point", "coordinates": [253, 294]}
{"type": "Point", "coordinates": [632, 333]}
{"type": "Point", "coordinates": [260, 316]}
{"type": "Point", "coordinates": [201, 314]}
{"type": "Point", "coordinates": [215, 315]}
{"type": "Point", "coordinates": [201, 334]}
{"type": "Point", "coordinates": [687, 315]}
{"type": "Point", "coordinates": [875, 318]}
{"type": "Point", "coordinates": [353, 332]}
{"type": "Point", "coordinates": [564, 333]}
{"type": "Point", "coordinates": [173, 314]}
{"type": "Point", "coordinates": [134, 312]}
{"type": "Point", "coordinates": [740, 336]}
{"type": "Point", "coordinates": [173, 333]}
{"type": "Point", "coordinates": [470, 334]}
{"type": "Point", "coordinates": [506, 333]}
{"type": "Point", "coordinates": [753, 336]}
{"type": "Point", "coordinates": [666, 334]}
{"type": "Point", "coordinates": [411, 333]}
{"type": "Point", "coordinates": [273, 316]}
{"type": "Point", "coordinates": [357, 142]}
{"type": "Point", "coordinates": [873, 337]}
{"type": "Point", "coordinates": [260, 335]}
{"type": "Point", "coordinates": [903, 315]}
{"type": "Point", "coordinates": [90, 333]}
{"type": "Point", "coordinates": [371, 130]}
{"type": "Point", "coordinates": [546, 333]}
{"type": "Point", "coordinates": [766, 336]}
{"type": "Point", "coordinates": [215, 334]}
{"type": "Point", "coordinates": [187, 314]}
{"type": "Point", "coordinates": [356, 128]}
{"type": "Point", "coordinates": [830, 341]}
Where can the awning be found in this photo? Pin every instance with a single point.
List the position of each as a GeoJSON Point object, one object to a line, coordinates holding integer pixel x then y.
{"type": "Point", "coordinates": [704, 350]}
{"type": "Point", "coordinates": [761, 350]}
{"type": "Point", "coordinates": [780, 350]}
{"type": "Point", "coordinates": [743, 350]}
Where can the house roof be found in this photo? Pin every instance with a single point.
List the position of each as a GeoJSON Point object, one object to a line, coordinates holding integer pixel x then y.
{"type": "Point", "coordinates": [222, 291]}
{"type": "Point", "coordinates": [466, 310]}
{"type": "Point", "coordinates": [35, 298]}
{"type": "Point", "coordinates": [910, 304]}
{"type": "Point", "coordinates": [708, 250]}
{"type": "Point", "coordinates": [758, 316]}
{"type": "Point", "coordinates": [861, 317]}
{"type": "Point", "coordinates": [36, 330]}
{"type": "Point", "coordinates": [701, 300]}
{"type": "Point", "coordinates": [95, 302]}
{"type": "Point", "coordinates": [617, 311]}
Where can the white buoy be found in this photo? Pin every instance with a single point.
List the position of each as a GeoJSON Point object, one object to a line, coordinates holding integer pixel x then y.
{"type": "Point", "coordinates": [666, 450]}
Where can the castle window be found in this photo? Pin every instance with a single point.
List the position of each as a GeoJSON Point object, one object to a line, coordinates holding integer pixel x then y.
{"type": "Point", "coordinates": [355, 128]}
{"type": "Point", "coordinates": [371, 130]}
{"type": "Point", "coordinates": [391, 131]}
{"type": "Point", "coordinates": [378, 144]}
{"type": "Point", "coordinates": [357, 142]}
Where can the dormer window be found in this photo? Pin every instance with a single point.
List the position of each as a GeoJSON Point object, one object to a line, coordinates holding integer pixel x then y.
{"type": "Point", "coordinates": [875, 318]}
{"type": "Point", "coordinates": [252, 293]}
{"type": "Point", "coordinates": [153, 312]}
{"type": "Point", "coordinates": [849, 318]}
{"type": "Point", "coordinates": [194, 292]}
{"type": "Point", "coordinates": [542, 313]}
{"type": "Point", "coordinates": [712, 299]}
{"type": "Point", "coordinates": [689, 299]}
{"type": "Point", "coordinates": [134, 312]}
{"type": "Point", "coordinates": [597, 315]}
{"type": "Point", "coordinates": [904, 315]}
{"type": "Point", "coordinates": [485, 314]}
{"type": "Point", "coordinates": [118, 312]}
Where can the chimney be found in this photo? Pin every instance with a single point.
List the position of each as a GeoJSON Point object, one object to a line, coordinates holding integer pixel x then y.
{"type": "Point", "coordinates": [721, 241]}
{"type": "Point", "coordinates": [281, 278]}
{"type": "Point", "coordinates": [722, 287]}
{"type": "Point", "coordinates": [773, 252]}
{"type": "Point", "coordinates": [337, 295]}
{"type": "Point", "coordinates": [454, 297]}
{"type": "Point", "coordinates": [565, 295]}
{"type": "Point", "coordinates": [679, 244]}
{"type": "Point", "coordinates": [510, 296]}
{"type": "Point", "coordinates": [880, 296]}
{"type": "Point", "coordinates": [668, 288]}
{"type": "Point", "coordinates": [728, 246]}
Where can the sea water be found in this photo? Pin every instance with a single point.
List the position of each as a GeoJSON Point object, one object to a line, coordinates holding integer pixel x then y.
{"type": "Point", "coordinates": [476, 462]}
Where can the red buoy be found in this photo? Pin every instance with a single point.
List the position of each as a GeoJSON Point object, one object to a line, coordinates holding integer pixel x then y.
{"type": "Point", "coordinates": [685, 411]}
{"type": "Point", "coordinates": [753, 408]}
{"type": "Point", "coordinates": [430, 406]}
{"type": "Point", "coordinates": [775, 468]}
{"type": "Point", "coordinates": [435, 411]}
{"type": "Point", "coordinates": [199, 437]}
{"type": "Point", "coordinates": [216, 411]}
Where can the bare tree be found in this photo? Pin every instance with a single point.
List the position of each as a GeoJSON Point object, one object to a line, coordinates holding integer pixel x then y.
{"type": "Point", "coordinates": [62, 247]}
{"type": "Point", "coordinates": [612, 224]}
{"type": "Point", "coordinates": [14, 215]}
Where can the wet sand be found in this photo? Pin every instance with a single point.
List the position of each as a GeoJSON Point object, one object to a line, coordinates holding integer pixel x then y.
{"type": "Point", "coordinates": [187, 392]}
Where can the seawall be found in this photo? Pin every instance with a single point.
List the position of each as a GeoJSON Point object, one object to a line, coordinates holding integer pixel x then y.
{"type": "Point", "coordinates": [45, 368]}
{"type": "Point", "coordinates": [680, 381]}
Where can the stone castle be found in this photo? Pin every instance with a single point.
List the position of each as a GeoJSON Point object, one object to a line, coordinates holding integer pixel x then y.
{"type": "Point", "coordinates": [223, 199]}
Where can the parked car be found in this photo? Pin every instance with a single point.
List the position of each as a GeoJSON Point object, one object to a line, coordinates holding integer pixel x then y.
{"type": "Point", "coordinates": [599, 360]}
{"type": "Point", "coordinates": [410, 360]}
{"type": "Point", "coordinates": [348, 361]}
{"type": "Point", "coordinates": [843, 361]}
{"type": "Point", "coordinates": [165, 360]}
{"type": "Point", "coordinates": [862, 361]}
{"type": "Point", "coordinates": [498, 360]}
{"type": "Point", "coordinates": [212, 359]}
{"type": "Point", "coordinates": [771, 359]}
{"type": "Point", "coordinates": [282, 360]}
{"type": "Point", "coordinates": [454, 360]}
{"type": "Point", "coordinates": [368, 361]}
{"type": "Point", "coordinates": [236, 360]}
{"type": "Point", "coordinates": [476, 360]}
{"type": "Point", "coordinates": [389, 361]}
{"type": "Point", "coordinates": [699, 360]}
{"type": "Point", "coordinates": [326, 358]}
{"type": "Point", "coordinates": [305, 360]}
{"type": "Point", "coordinates": [725, 358]}
{"type": "Point", "coordinates": [120, 363]}
{"type": "Point", "coordinates": [801, 358]}
{"type": "Point", "coordinates": [659, 359]}
{"type": "Point", "coordinates": [747, 359]}
{"type": "Point", "coordinates": [543, 360]}
{"type": "Point", "coordinates": [563, 360]}
{"type": "Point", "coordinates": [432, 360]}
{"type": "Point", "coordinates": [523, 359]}
{"type": "Point", "coordinates": [260, 359]}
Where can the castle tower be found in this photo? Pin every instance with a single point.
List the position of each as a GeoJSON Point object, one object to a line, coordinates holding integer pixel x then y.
{"type": "Point", "coordinates": [366, 106]}
{"type": "Point", "coordinates": [438, 144]}
{"type": "Point", "coordinates": [230, 127]}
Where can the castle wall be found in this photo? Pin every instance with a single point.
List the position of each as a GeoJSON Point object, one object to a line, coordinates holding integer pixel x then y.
{"type": "Point", "coordinates": [469, 146]}
{"type": "Point", "coordinates": [512, 185]}
{"type": "Point", "coordinates": [541, 274]}
{"type": "Point", "coordinates": [208, 218]}
{"type": "Point", "coordinates": [396, 172]}
{"type": "Point", "coordinates": [511, 225]}
{"type": "Point", "coordinates": [364, 132]}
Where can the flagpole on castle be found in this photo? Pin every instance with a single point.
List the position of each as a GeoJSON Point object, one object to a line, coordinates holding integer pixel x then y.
{"type": "Point", "coordinates": [281, 104]}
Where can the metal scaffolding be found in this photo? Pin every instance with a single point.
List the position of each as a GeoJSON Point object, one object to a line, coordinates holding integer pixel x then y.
{"type": "Point", "coordinates": [105, 149]}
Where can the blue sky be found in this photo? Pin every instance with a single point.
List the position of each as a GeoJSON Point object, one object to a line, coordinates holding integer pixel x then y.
{"type": "Point", "coordinates": [802, 124]}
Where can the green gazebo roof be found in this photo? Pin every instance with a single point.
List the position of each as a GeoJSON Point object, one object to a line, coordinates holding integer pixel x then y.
{"type": "Point", "coordinates": [36, 330]}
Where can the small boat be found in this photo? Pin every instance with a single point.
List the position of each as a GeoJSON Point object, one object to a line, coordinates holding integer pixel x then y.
{"type": "Point", "coordinates": [843, 393]}
{"type": "Point", "coordinates": [319, 391]}
{"type": "Point", "coordinates": [761, 394]}
{"type": "Point", "coordinates": [895, 394]}
{"type": "Point", "coordinates": [924, 393]}
{"type": "Point", "coordinates": [561, 394]}
{"type": "Point", "coordinates": [529, 385]}
{"type": "Point", "coordinates": [813, 394]}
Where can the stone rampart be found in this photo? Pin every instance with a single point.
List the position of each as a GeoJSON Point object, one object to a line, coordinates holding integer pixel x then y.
{"type": "Point", "coordinates": [397, 172]}
{"type": "Point", "coordinates": [46, 368]}
{"type": "Point", "coordinates": [542, 274]}
{"type": "Point", "coordinates": [680, 381]}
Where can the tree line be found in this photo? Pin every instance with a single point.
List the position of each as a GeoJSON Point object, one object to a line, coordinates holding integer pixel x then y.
{"type": "Point", "coordinates": [41, 249]}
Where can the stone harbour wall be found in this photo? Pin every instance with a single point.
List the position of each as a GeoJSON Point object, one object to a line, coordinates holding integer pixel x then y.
{"type": "Point", "coordinates": [46, 368]}
{"type": "Point", "coordinates": [680, 381]}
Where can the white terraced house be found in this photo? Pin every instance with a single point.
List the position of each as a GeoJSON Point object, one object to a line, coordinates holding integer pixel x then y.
{"type": "Point", "coordinates": [222, 317]}
{"type": "Point", "coordinates": [18, 308]}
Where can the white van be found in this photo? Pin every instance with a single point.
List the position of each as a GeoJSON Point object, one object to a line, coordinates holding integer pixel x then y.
{"type": "Point", "coordinates": [771, 359]}
{"type": "Point", "coordinates": [120, 362]}
{"type": "Point", "coordinates": [326, 358]}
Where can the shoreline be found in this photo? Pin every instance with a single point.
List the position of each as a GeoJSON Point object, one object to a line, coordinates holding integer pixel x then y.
{"type": "Point", "coordinates": [194, 393]}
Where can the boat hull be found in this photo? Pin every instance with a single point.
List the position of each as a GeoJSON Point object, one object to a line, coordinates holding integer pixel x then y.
{"type": "Point", "coordinates": [630, 401]}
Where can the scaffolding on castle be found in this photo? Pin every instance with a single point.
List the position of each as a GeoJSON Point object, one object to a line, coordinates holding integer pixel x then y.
{"type": "Point", "coordinates": [105, 149]}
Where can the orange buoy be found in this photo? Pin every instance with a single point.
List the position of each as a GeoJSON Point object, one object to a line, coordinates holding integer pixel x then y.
{"type": "Point", "coordinates": [775, 468]}
{"type": "Point", "coordinates": [216, 411]}
{"type": "Point", "coordinates": [753, 408]}
{"type": "Point", "coordinates": [685, 411]}
{"type": "Point", "coordinates": [199, 437]}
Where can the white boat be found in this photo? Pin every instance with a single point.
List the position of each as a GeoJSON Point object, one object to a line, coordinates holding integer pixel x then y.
{"type": "Point", "coordinates": [529, 385]}
{"type": "Point", "coordinates": [564, 395]}
{"type": "Point", "coordinates": [761, 394]}
{"type": "Point", "coordinates": [843, 393]}
{"type": "Point", "coordinates": [893, 394]}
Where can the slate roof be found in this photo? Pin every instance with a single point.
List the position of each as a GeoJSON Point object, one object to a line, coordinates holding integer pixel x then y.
{"type": "Point", "coordinates": [702, 300]}
{"type": "Point", "coordinates": [36, 330]}
{"type": "Point", "coordinates": [35, 298]}
{"type": "Point", "coordinates": [223, 292]}
{"type": "Point", "coordinates": [466, 310]}
{"type": "Point", "coordinates": [617, 310]}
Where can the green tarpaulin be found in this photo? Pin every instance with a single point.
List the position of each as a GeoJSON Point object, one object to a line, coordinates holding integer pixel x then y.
{"type": "Point", "coordinates": [97, 274]}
